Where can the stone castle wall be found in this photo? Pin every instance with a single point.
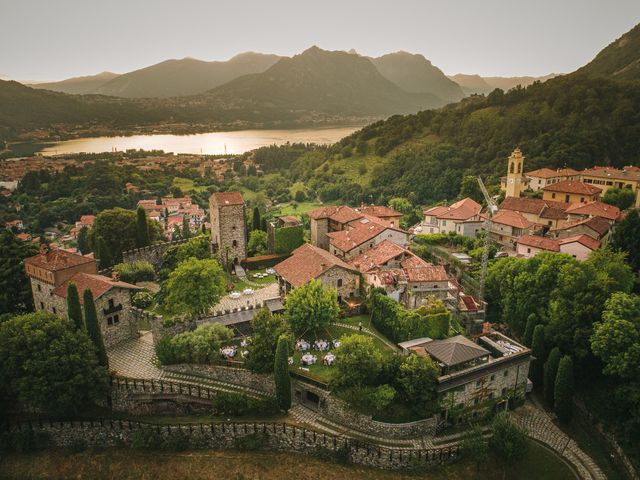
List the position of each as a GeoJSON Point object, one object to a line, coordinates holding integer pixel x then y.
{"type": "Point", "coordinates": [230, 435]}
{"type": "Point", "coordinates": [152, 254]}
{"type": "Point", "coordinates": [228, 232]}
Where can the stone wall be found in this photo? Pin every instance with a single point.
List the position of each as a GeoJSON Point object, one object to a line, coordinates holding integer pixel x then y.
{"type": "Point", "coordinates": [234, 375]}
{"type": "Point", "coordinates": [232, 435]}
{"type": "Point", "coordinates": [152, 254]}
{"type": "Point", "coordinates": [319, 230]}
{"type": "Point", "coordinates": [228, 231]}
{"type": "Point", "coordinates": [350, 281]}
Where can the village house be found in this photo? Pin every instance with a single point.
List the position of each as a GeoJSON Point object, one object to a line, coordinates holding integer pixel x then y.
{"type": "Point", "coordinates": [462, 217]}
{"type": "Point", "coordinates": [309, 262]}
{"type": "Point", "coordinates": [580, 211]}
{"type": "Point", "coordinates": [50, 274]}
{"type": "Point", "coordinates": [608, 177]}
{"type": "Point", "coordinates": [596, 227]}
{"type": "Point", "coordinates": [578, 246]}
{"type": "Point", "coordinates": [571, 191]}
{"type": "Point", "coordinates": [538, 179]}
{"type": "Point", "coordinates": [507, 226]}
{"type": "Point", "coordinates": [14, 225]}
{"type": "Point", "coordinates": [325, 220]}
{"type": "Point", "coordinates": [405, 277]}
{"type": "Point", "coordinates": [363, 234]}
{"type": "Point", "coordinates": [475, 376]}
{"type": "Point", "coordinates": [543, 212]}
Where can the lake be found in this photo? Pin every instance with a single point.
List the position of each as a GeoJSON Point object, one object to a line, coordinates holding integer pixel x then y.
{"type": "Point", "coordinates": [214, 143]}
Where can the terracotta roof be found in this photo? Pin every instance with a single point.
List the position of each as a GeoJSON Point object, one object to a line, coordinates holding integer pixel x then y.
{"type": "Point", "coordinates": [345, 215]}
{"type": "Point", "coordinates": [585, 240]}
{"type": "Point", "coordinates": [597, 224]}
{"type": "Point", "coordinates": [469, 303]}
{"type": "Point", "coordinates": [87, 219]}
{"type": "Point", "coordinates": [354, 236]}
{"type": "Point", "coordinates": [56, 260]}
{"type": "Point", "coordinates": [23, 236]}
{"type": "Point", "coordinates": [290, 219]}
{"type": "Point", "coordinates": [378, 255]}
{"type": "Point", "coordinates": [454, 350]}
{"type": "Point", "coordinates": [595, 209]}
{"type": "Point", "coordinates": [535, 206]}
{"type": "Point", "coordinates": [567, 172]}
{"type": "Point", "coordinates": [308, 262]}
{"type": "Point", "coordinates": [98, 284]}
{"type": "Point", "coordinates": [228, 198]}
{"type": "Point", "coordinates": [426, 273]}
{"type": "Point", "coordinates": [512, 219]}
{"type": "Point", "coordinates": [573, 186]}
{"type": "Point", "coordinates": [435, 211]}
{"type": "Point", "coordinates": [550, 244]}
{"type": "Point", "coordinates": [542, 173]}
{"type": "Point", "coordinates": [379, 211]}
{"type": "Point", "coordinates": [461, 210]}
{"type": "Point", "coordinates": [628, 173]}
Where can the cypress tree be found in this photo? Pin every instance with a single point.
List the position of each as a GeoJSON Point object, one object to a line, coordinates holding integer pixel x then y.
{"type": "Point", "coordinates": [281, 373]}
{"type": "Point", "coordinates": [532, 321]}
{"type": "Point", "coordinates": [563, 390]}
{"type": "Point", "coordinates": [93, 329]}
{"type": "Point", "coordinates": [257, 224]}
{"type": "Point", "coordinates": [142, 229]}
{"type": "Point", "coordinates": [537, 350]}
{"type": "Point", "coordinates": [74, 310]}
{"type": "Point", "coordinates": [83, 241]}
{"type": "Point", "coordinates": [550, 373]}
{"type": "Point", "coordinates": [186, 231]}
{"type": "Point", "coordinates": [104, 255]}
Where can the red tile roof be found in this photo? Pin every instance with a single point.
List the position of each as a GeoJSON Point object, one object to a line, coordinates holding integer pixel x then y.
{"type": "Point", "coordinates": [628, 173]}
{"type": "Point", "coordinates": [597, 224]}
{"type": "Point", "coordinates": [345, 215]}
{"type": "Point", "coordinates": [56, 260]}
{"type": "Point", "coordinates": [354, 236]}
{"type": "Point", "coordinates": [511, 219]}
{"type": "Point", "coordinates": [573, 186]}
{"type": "Point", "coordinates": [379, 211]}
{"type": "Point", "coordinates": [585, 240]}
{"type": "Point", "coordinates": [550, 244]}
{"type": "Point", "coordinates": [98, 284]}
{"type": "Point", "coordinates": [542, 173]}
{"type": "Point", "coordinates": [228, 198]}
{"type": "Point", "coordinates": [308, 262]}
{"type": "Point", "coordinates": [595, 209]}
{"type": "Point", "coordinates": [461, 210]}
{"type": "Point", "coordinates": [534, 206]}
{"type": "Point", "coordinates": [427, 273]}
{"type": "Point", "coordinates": [378, 255]}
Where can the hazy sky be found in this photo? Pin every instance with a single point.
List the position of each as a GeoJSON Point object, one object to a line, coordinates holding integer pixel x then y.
{"type": "Point", "coordinates": [55, 39]}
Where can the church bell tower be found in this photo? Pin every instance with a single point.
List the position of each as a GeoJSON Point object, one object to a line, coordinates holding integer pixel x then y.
{"type": "Point", "coordinates": [516, 181]}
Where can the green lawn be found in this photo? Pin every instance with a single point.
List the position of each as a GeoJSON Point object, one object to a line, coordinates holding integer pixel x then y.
{"type": "Point", "coordinates": [126, 463]}
{"type": "Point", "coordinates": [187, 185]}
{"type": "Point", "coordinates": [288, 209]}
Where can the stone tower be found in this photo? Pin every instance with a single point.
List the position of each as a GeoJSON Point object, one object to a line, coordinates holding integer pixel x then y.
{"type": "Point", "coordinates": [516, 181]}
{"type": "Point", "coordinates": [228, 226]}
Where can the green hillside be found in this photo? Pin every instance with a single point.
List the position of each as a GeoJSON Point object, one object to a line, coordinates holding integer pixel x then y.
{"type": "Point", "coordinates": [621, 59]}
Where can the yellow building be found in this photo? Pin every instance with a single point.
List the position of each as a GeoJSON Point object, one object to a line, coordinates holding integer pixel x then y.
{"type": "Point", "coordinates": [607, 177]}
{"type": "Point", "coordinates": [571, 191]}
{"type": "Point", "coordinates": [516, 182]}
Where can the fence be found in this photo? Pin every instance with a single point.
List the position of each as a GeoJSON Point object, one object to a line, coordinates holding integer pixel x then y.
{"type": "Point", "coordinates": [101, 432]}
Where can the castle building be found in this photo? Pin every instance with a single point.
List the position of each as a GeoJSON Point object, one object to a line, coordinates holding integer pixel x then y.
{"type": "Point", "coordinates": [516, 181]}
{"type": "Point", "coordinates": [50, 274]}
{"type": "Point", "coordinates": [228, 226]}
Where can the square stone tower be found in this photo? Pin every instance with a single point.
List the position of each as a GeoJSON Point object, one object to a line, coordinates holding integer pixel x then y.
{"type": "Point", "coordinates": [228, 226]}
{"type": "Point", "coordinates": [516, 180]}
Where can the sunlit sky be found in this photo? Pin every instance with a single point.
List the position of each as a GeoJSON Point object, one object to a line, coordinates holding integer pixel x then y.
{"type": "Point", "coordinates": [52, 40]}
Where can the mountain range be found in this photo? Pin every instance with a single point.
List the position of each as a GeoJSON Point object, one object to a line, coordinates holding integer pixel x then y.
{"type": "Point", "coordinates": [315, 87]}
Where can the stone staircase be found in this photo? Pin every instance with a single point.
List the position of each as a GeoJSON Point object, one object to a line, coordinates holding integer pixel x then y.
{"type": "Point", "coordinates": [197, 380]}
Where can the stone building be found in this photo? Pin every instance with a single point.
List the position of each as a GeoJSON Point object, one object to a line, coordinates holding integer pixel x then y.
{"type": "Point", "coordinates": [50, 273]}
{"type": "Point", "coordinates": [309, 262]}
{"type": "Point", "coordinates": [287, 228]}
{"type": "Point", "coordinates": [475, 376]}
{"type": "Point", "coordinates": [228, 226]}
{"type": "Point", "coordinates": [516, 181]}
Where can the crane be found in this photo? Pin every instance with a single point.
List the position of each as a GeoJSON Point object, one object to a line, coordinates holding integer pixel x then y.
{"type": "Point", "coordinates": [491, 209]}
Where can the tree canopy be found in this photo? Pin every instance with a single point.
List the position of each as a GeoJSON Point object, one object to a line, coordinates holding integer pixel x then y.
{"type": "Point", "coordinates": [15, 289]}
{"type": "Point", "coordinates": [266, 329]}
{"type": "Point", "coordinates": [358, 361]}
{"type": "Point", "coordinates": [311, 307]}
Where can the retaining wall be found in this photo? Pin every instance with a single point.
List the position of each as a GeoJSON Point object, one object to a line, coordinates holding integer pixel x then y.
{"type": "Point", "coordinates": [234, 375]}
{"type": "Point", "coordinates": [230, 435]}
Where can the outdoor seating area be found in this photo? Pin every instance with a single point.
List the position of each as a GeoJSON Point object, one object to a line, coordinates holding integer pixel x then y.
{"type": "Point", "coordinates": [320, 345]}
{"type": "Point", "coordinates": [231, 351]}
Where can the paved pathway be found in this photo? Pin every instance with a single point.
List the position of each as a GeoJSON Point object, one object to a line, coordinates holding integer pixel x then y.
{"type": "Point", "coordinates": [540, 427]}
{"type": "Point", "coordinates": [135, 358]}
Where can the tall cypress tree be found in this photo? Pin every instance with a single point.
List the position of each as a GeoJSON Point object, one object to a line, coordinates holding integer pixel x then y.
{"type": "Point", "coordinates": [538, 351]}
{"type": "Point", "coordinates": [563, 394]}
{"type": "Point", "coordinates": [83, 241]}
{"type": "Point", "coordinates": [142, 228]}
{"type": "Point", "coordinates": [104, 255]}
{"type": "Point", "coordinates": [186, 230]}
{"type": "Point", "coordinates": [532, 321]}
{"type": "Point", "coordinates": [74, 310]}
{"type": "Point", "coordinates": [550, 372]}
{"type": "Point", "coordinates": [257, 224]}
{"type": "Point", "coordinates": [281, 374]}
{"type": "Point", "coordinates": [93, 329]}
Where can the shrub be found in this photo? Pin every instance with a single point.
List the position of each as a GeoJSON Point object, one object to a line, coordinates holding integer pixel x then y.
{"type": "Point", "coordinates": [201, 345]}
{"type": "Point", "coordinates": [563, 390]}
{"type": "Point", "coordinates": [133, 272]}
{"type": "Point", "coordinates": [509, 441]}
{"type": "Point", "coordinates": [142, 300]}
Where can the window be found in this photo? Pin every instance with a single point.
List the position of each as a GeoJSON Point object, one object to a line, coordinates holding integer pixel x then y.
{"type": "Point", "coordinates": [435, 286]}
{"type": "Point", "coordinates": [475, 401]}
{"type": "Point", "coordinates": [504, 391]}
{"type": "Point", "coordinates": [528, 250]}
{"type": "Point", "coordinates": [234, 243]}
{"type": "Point", "coordinates": [506, 372]}
{"type": "Point", "coordinates": [116, 319]}
{"type": "Point", "coordinates": [493, 377]}
{"type": "Point", "coordinates": [109, 320]}
{"type": "Point", "coordinates": [511, 168]}
{"type": "Point", "coordinates": [111, 304]}
{"type": "Point", "coordinates": [567, 198]}
{"type": "Point", "coordinates": [444, 223]}
{"type": "Point", "coordinates": [54, 310]}
{"type": "Point", "coordinates": [490, 395]}
{"type": "Point", "coordinates": [553, 195]}
{"type": "Point", "coordinates": [478, 382]}
{"type": "Point", "coordinates": [339, 283]}
{"type": "Point", "coordinates": [582, 199]}
{"type": "Point", "coordinates": [41, 306]}
{"type": "Point", "coordinates": [39, 287]}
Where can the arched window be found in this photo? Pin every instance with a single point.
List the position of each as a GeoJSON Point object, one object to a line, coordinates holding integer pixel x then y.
{"type": "Point", "coordinates": [519, 168]}
{"type": "Point", "coordinates": [511, 168]}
